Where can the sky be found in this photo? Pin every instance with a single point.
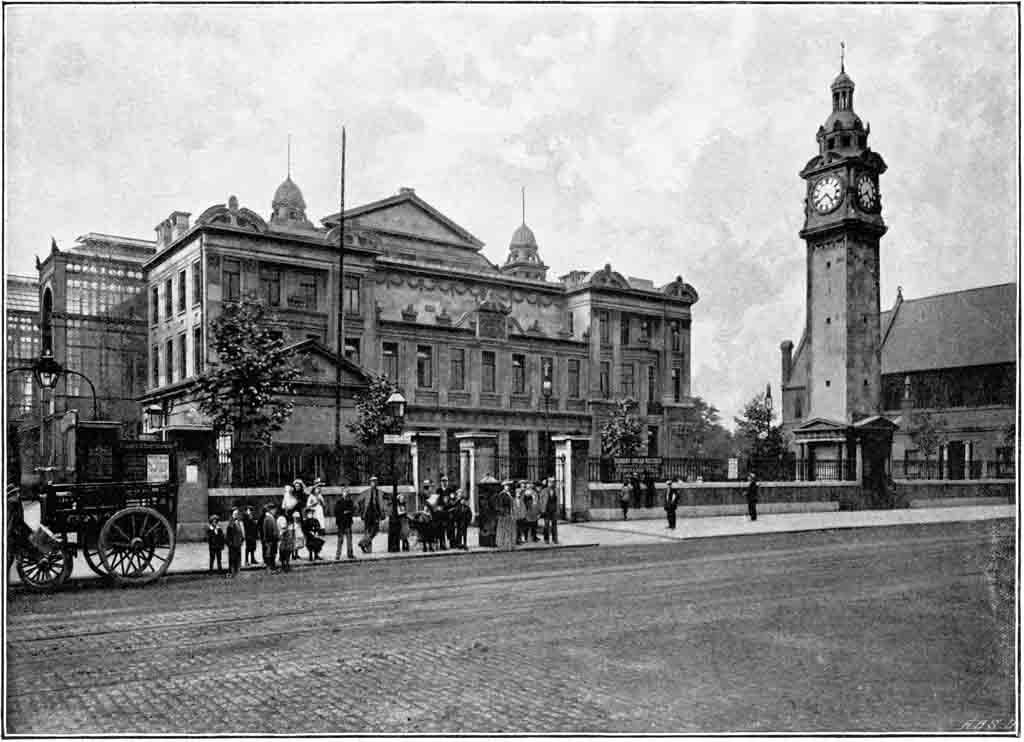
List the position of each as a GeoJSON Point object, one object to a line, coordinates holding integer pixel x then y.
{"type": "Point", "coordinates": [665, 140]}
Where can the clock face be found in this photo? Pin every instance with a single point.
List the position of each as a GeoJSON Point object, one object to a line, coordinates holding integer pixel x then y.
{"type": "Point", "coordinates": [827, 194]}
{"type": "Point", "coordinates": [867, 193]}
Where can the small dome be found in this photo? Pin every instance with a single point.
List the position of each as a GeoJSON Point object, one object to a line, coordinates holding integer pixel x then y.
{"type": "Point", "coordinates": [847, 120]}
{"type": "Point", "coordinates": [289, 195]}
{"type": "Point", "coordinates": [523, 236]}
{"type": "Point", "coordinates": [842, 81]}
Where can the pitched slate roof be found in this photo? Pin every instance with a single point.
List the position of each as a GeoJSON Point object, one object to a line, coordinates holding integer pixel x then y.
{"type": "Point", "coordinates": [973, 327]}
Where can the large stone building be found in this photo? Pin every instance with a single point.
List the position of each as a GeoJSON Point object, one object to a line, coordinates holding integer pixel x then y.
{"type": "Point", "coordinates": [467, 341]}
{"type": "Point", "coordinates": [857, 374]}
{"type": "Point", "coordinates": [23, 345]}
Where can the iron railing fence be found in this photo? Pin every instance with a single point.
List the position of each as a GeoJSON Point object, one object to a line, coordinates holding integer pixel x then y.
{"type": "Point", "coordinates": [282, 463]}
{"type": "Point", "coordinates": [935, 469]}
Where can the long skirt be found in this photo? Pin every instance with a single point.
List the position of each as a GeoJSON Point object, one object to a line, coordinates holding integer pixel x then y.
{"type": "Point", "coordinates": [505, 538]}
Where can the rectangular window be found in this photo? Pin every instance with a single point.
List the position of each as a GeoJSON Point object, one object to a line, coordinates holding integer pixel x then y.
{"type": "Point", "coordinates": [231, 279]}
{"type": "Point", "coordinates": [182, 291]}
{"type": "Point", "coordinates": [182, 357]}
{"type": "Point", "coordinates": [487, 371]}
{"type": "Point", "coordinates": [574, 378]}
{"type": "Point", "coordinates": [424, 366]}
{"type": "Point", "coordinates": [352, 350]}
{"type": "Point", "coordinates": [677, 389]}
{"type": "Point", "coordinates": [458, 369]}
{"type": "Point", "coordinates": [676, 340]}
{"type": "Point", "coordinates": [154, 304]}
{"type": "Point", "coordinates": [391, 360]}
{"type": "Point", "coordinates": [168, 298]}
{"type": "Point", "coordinates": [270, 286]}
{"type": "Point", "coordinates": [605, 379]}
{"type": "Point", "coordinates": [604, 327]}
{"type": "Point", "coordinates": [645, 328]}
{"type": "Point", "coordinates": [307, 291]}
{"type": "Point", "coordinates": [627, 380]}
{"type": "Point", "coordinates": [197, 350]}
{"type": "Point", "coordinates": [652, 384]}
{"type": "Point", "coordinates": [197, 283]}
{"type": "Point", "coordinates": [572, 323]}
{"type": "Point", "coordinates": [155, 360]}
{"type": "Point", "coordinates": [351, 294]}
{"type": "Point", "coordinates": [518, 374]}
{"type": "Point", "coordinates": [624, 329]}
{"type": "Point", "coordinates": [169, 361]}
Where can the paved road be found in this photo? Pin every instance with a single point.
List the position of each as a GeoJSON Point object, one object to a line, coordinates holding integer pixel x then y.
{"type": "Point", "coordinates": [866, 630]}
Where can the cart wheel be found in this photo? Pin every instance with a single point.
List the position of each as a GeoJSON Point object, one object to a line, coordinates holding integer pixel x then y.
{"type": "Point", "coordinates": [136, 545]}
{"type": "Point", "coordinates": [40, 572]}
{"type": "Point", "coordinates": [91, 552]}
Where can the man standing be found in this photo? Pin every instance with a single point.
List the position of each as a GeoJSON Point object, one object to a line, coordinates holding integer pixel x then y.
{"type": "Point", "coordinates": [671, 502]}
{"type": "Point", "coordinates": [448, 508]}
{"type": "Point", "coordinates": [549, 506]}
{"type": "Point", "coordinates": [268, 531]}
{"type": "Point", "coordinates": [252, 534]}
{"type": "Point", "coordinates": [752, 497]}
{"type": "Point", "coordinates": [235, 538]}
{"type": "Point", "coordinates": [373, 511]}
{"type": "Point", "coordinates": [344, 509]}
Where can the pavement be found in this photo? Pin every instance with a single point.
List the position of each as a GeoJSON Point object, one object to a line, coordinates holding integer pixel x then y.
{"type": "Point", "coordinates": [193, 557]}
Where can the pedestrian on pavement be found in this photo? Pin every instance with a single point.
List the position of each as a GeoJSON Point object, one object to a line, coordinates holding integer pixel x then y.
{"type": "Point", "coordinates": [344, 510]}
{"type": "Point", "coordinates": [402, 515]}
{"type": "Point", "coordinates": [426, 492]}
{"type": "Point", "coordinates": [671, 502]}
{"type": "Point", "coordinates": [215, 541]}
{"type": "Point", "coordinates": [449, 504]}
{"type": "Point", "coordinates": [752, 496]}
{"type": "Point", "coordinates": [463, 515]}
{"type": "Point", "coordinates": [299, 490]}
{"type": "Point", "coordinates": [394, 526]}
{"type": "Point", "coordinates": [235, 538]}
{"type": "Point", "coordinates": [269, 535]}
{"type": "Point", "coordinates": [519, 515]}
{"type": "Point", "coordinates": [298, 536]}
{"type": "Point", "coordinates": [252, 534]}
{"type": "Point", "coordinates": [373, 512]}
{"type": "Point", "coordinates": [624, 496]}
{"type": "Point", "coordinates": [316, 500]}
{"type": "Point", "coordinates": [549, 506]}
{"type": "Point", "coordinates": [649, 490]}
{"type": "Point", "coordinates": [313, 532]}
{"type": "Point", "coordinates": [531, 516]}
{"type": "Point", "coordinates": [286, 534]}
{"type": "Point", "coordinates": [288, 501]}
{"type": "Point", "coordinates": [505, 534]}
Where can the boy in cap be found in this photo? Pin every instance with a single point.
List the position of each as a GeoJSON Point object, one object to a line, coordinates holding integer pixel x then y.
{"type": "Point", "coordinates": [215, 541]}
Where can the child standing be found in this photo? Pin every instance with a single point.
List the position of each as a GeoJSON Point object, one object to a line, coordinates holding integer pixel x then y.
{"type": "Point", "coordinates": [234, 538]}
{"type": "Point", "coordinates": [287, 542]}
{"type": "Point", "coordinates": [215, 540]}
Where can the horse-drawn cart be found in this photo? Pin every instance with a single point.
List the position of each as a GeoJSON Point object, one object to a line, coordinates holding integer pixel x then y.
{"type": "Point", "coordinates": [124, 529]}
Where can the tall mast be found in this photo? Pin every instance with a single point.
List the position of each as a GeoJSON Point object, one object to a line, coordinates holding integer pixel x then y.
{"type": "Point", "coordinates": [341, 306]}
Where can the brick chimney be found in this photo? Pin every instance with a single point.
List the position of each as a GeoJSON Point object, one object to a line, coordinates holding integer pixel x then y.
{"type": "Point", "coordinates": [787, 360]}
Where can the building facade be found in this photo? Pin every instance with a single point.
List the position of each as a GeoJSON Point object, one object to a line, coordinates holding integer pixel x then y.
{"type": "Point", "coordinates": [469, 343]}
{"type": "Point", "coordinates": [23, 346]}
{"type": "Point", "coordinates": [851, 386]}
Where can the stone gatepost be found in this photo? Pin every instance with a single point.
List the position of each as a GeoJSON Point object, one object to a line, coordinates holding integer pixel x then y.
{"type": "Point", "coordinates": [475, 450]}
{"type": "Point", "coordinates": [571, 475]}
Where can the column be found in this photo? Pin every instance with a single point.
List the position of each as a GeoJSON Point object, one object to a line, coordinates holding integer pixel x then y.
{"type": "Point", "coordinates": [414, 451]}
{"type": "Point", "coordinates": [563, 473]}
{"type": "Point", "coordinates": [860, 462]}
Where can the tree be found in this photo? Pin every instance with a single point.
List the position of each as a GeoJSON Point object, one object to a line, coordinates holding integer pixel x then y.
{"type": "Point", "coordinates": [623, 433]}
{"type": "Point", "coordinates": [245, 390]}
{"type": "Point", "coordinates": [755, 435]}
{"type": "Point", "coordinates": [372, 417]}
{"type": "Point", "coordinates": [703, 434]}
{"type": "Point", "coordinates": [927, 434]}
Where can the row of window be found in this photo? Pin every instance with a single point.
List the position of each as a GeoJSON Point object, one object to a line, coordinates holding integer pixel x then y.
{"type": "Point", "coordinates": [182, 294]}
{"type": "Point", "coordinates": [173, 358]}
{"type": "Point", "coordinates": [488, 372]}
{"type": "Point", "coordinates": [644, 329]}
{"type": "Point", "coordinates": [103, 270]}
{"type": "Point", "coordinates": [98, 296]}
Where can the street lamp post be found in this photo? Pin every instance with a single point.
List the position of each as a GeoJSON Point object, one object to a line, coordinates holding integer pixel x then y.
{"type": "Point", "coordinates": [156, 419]}
{"type": "Point", "coordinates": [47, 371]}
{"type": "Point", "coordinates": [546, 389]}
{"type": "Point", "coordinates": [396, 410]}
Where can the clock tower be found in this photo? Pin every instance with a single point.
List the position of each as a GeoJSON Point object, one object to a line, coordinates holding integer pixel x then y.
{"type": "Point", "coordinates": [842, 228]}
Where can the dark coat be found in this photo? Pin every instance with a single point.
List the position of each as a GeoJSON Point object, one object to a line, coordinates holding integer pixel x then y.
{"type": "Point", "coordinates": [268, 528]}
{"type": "Point", "coordinates": [215, 538]}
{"type": "Point", "coordinates": [671, 498]}
{"type": "Point", "coordinates": [752, 492]}
{"type": "Point", "coordinates": [251, 528]}
{"type": "Point", "coordinates": [235, 535]}
{"type": "Point", "coordinates": [344, 510]}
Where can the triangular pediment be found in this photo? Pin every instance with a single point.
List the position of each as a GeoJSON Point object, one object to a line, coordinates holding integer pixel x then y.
{"type": "Point", "coordinates": [408, 215]}
{"type": "Point", "coordinates": [820, 425]}
{"type": "Point", "coordinates": [318, 364]}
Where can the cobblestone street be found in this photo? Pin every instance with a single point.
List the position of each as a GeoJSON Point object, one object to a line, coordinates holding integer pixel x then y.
{"type": "Point", "coordinates": [859, 630]}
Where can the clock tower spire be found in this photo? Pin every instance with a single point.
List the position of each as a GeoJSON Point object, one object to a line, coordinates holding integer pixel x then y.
{"type": "Point", "coordinates": [843, 227]}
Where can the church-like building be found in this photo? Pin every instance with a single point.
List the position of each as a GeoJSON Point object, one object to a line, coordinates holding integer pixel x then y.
{"type": "Point", "coordinates": [500, 350]}
{"type": "Point", "coordinates": [855, 386]}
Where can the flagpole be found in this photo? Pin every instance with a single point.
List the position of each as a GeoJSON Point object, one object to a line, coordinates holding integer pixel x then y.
{"type": "Point", "coordinates": [341, 307]}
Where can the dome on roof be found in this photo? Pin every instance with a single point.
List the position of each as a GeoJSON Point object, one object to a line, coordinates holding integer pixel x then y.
{"type": "Point", "coordinates": [288, 194]}
{"type": "Point", "coordinates": [842, 81]}
{"type": "Point", "coordinates": [523, 237]}
{"type": "Point", "coordinates": [846, 119]}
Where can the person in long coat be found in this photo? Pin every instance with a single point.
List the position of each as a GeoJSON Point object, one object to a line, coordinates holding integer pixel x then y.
{"type": "Point", "coordinates": [270, 535]}
{"type": "Point", "coordinates": [752, 497]}
{"type": "Point", "coordinates": [505, 536]}
{"type": "Point", "coordinates": [252, 534]}
{"type": "Point", "coordinates": [372, 513]}
{"type": "Point", "coordinates": [234, 538]}
{"type": "Point", "coordinates": [671, 502]}
{"type": "Point", "coordinates": [625, 495]}
{"type": "Point", "coordinates": [317, 502]}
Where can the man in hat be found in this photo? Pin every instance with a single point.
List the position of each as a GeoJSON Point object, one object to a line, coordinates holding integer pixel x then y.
{"type": "Point", "coordinates": [344, 509]}
{"type": "Point", "coordinates": [373, 512]}
{"type": "Point", "coordinates": [448, 492]}
{"type": "Point", "coordinates": [269, 536]}
{"type": "Point", "coordinates": [549, 507]}
{"type": "Point", "coordinates": [752, 496]}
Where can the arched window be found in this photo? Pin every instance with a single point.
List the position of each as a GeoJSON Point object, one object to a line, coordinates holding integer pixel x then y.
{"type": "Point", "coordinates": [46, 322]}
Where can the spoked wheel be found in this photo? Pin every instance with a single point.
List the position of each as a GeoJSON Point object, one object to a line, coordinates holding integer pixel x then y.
{"type": "Point", "coordinates": [40, 572]}
{"type": "Point", "coordinates": [136, 546]}
{"type": "Point", "coordinates": [91, 552]}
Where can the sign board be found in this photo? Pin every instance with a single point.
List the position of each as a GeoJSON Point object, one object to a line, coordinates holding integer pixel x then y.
{"type": "Point", "coordinates": [734, 468]}
{"type": "Point", "coordinates": [158, 467]}
{"type": "Point", "coordinates": [636, 464]}
{"type": "Point", "coordinates": [191, 473]}
{"type": "Point", "coordinates": [397, 439]}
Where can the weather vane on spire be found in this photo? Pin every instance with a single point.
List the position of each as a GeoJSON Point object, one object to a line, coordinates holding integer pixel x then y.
{"type": "Point", "coordinates": [289, 155]}
{"type": "Point", "coordinates": [842, 56]}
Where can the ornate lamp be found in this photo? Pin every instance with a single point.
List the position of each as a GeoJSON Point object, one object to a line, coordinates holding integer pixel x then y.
{"type": "Point", "coordinates": [47, 370]}
{"type": "Point", "coordinates": [396, 405]}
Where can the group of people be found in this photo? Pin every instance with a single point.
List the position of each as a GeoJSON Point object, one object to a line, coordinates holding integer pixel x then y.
{"type": "Point", "coordinates": [671, 501]}
{"type": "Point", "coordinates": [520, 508]}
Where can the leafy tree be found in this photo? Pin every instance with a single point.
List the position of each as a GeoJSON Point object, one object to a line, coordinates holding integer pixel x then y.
{"type": "Point", "coordinates": [623, 433]}
{"type": "Point", "coordinates": [927, 434]}
{"type": "Point", "coordinates": [704, 436]}
{"type": "Point", "coordinates": [245, 390]}
{"type": "Point", "coordinates": [372, 418]}
{"type": "Point", "coordinates": [755, 435]}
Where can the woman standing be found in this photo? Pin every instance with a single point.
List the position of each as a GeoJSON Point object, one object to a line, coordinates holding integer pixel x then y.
{"type": "Point", "coordinates": [505, 536]}
{"type": "Point", "coordinates": [624, 497]}
{"type": "Point", "coordinates": [299, 537]}
{"type": "Point", "coordinates": [317, 502]}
